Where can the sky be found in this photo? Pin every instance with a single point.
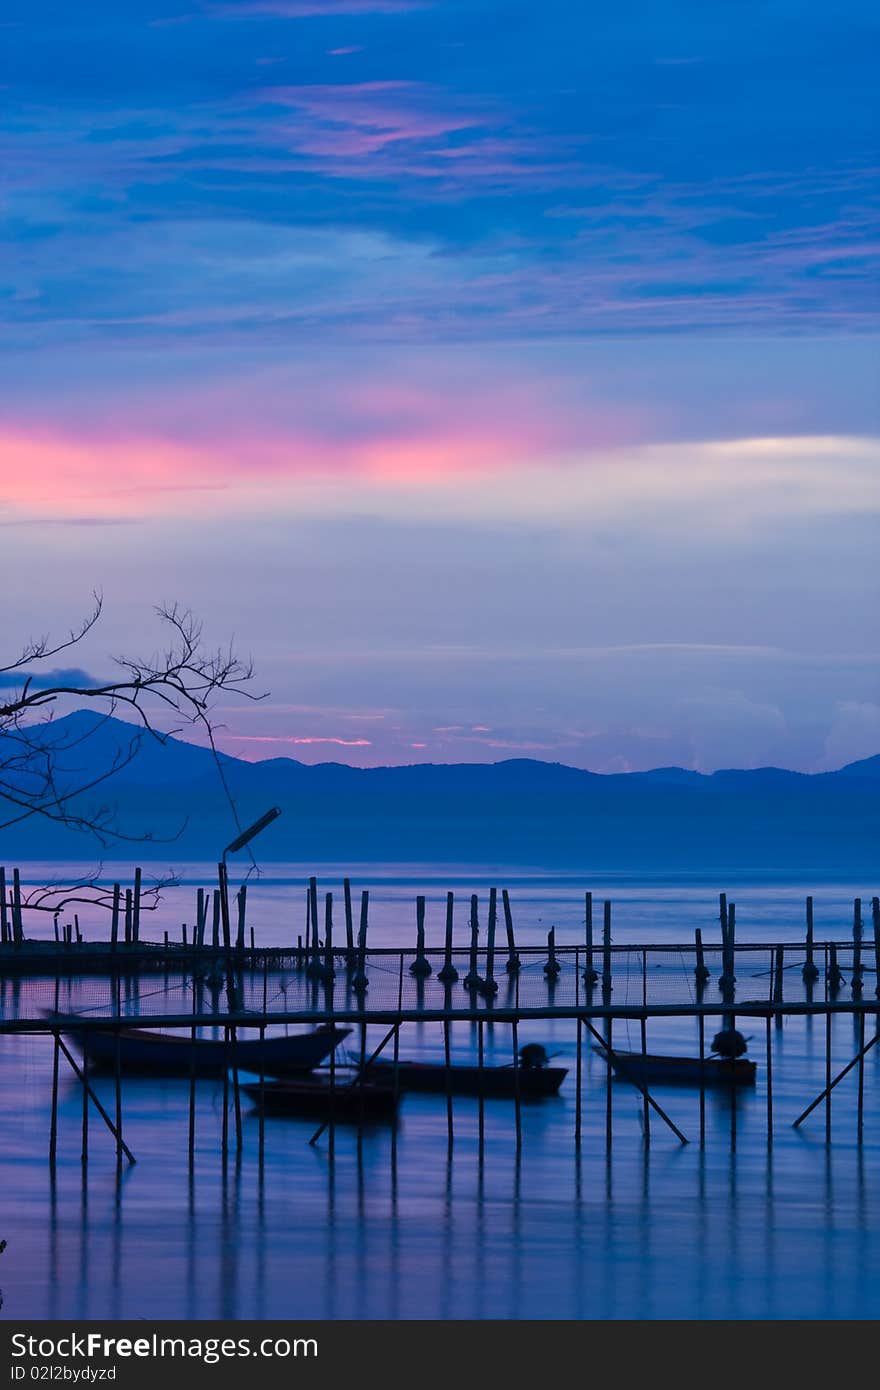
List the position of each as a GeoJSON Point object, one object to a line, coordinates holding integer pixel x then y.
{"type": "Point", "coordinates": [502, 377]}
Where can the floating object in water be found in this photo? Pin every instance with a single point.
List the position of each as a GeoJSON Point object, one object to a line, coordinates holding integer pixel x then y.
{"type": "Point", "coordinates": [650, 1068]}
{"type": "Point", "coordinates": [730, 1043]}
{"type": "Point", "coordinates": [489, 1082]}
{"type": "Point", "coordinates": [141, 1052]}
{"type": "Point", "coordinates": [310, 1096]}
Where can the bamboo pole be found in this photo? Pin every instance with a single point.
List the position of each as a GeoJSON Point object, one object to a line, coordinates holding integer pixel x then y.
{"type": "Point", "coordinates": [17, 926]}
{"type": "Point", "coordinates": [512, 957]}
{"type": "Point", "coordinates": [447, 1057]}
{"type": "Point", "coordinates": [114, 918]}
{"type": "Point", "coordinates": [349, 924]}
{"type": "Point", "coordinates": [810, 970]}
{"type": "Point", "coordinates": [448, 975]}
{"type": "Point", "coordinates": [590, 975]}
{"type": "Point", "coordinates": [421, 965]}
{"type": "Point", "coordinates": [136, 908]}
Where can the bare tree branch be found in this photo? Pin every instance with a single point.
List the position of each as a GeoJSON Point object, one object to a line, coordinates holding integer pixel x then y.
{"type": "Point", "coordinates": [37, 777]}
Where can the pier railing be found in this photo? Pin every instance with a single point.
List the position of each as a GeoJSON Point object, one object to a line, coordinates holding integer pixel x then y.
{"type": "Point", "coordinates": [152, 985]}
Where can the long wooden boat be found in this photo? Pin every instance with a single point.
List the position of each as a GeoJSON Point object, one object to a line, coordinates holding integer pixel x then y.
{"type": "Point", "coordinates": [311, 1096]}
{"type": "Point", "coordinates": [145, 1053]}
{"type": "Point", "coordinates": [652, 1068]}
{"type": "Point", "coordinates": [460, 1080]}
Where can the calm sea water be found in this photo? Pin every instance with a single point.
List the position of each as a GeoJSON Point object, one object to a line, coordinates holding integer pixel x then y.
{"type": "Point", "coordinates": [389, 1228]}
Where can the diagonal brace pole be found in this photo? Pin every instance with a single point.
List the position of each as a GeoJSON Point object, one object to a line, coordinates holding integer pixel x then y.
{"type": "Point", "coordinates": [351, 1085]}
{"type": "Point", "coordinates": [828, 1089]}
{"type": "Point", "coordinates": [638, 1085]}
{"type": "Point", "coordinates": [97, 1104]}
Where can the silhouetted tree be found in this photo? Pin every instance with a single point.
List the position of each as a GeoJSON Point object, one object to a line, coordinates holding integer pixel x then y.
{"type": "Point", "coordinates": [39, 775]}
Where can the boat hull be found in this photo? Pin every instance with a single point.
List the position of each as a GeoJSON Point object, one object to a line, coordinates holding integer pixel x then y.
{"type": "Point", "coordinates": [309, 1097]}
{"type": "Point", "coordinates": [492, 1083]}
{"type": "Point", "coordinates": [652, 1069]}
{"type": "Point", "coordinates": [144, 1053]}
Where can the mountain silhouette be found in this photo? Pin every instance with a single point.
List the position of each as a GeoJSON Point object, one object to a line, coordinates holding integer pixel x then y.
{"type": "Point", "coordinates": [766, 821]}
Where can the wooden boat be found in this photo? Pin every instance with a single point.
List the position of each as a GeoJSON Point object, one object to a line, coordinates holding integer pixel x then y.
{"type": "Point", "coordinates": [492, 1082]}
{"type": "Point", "coordinates": [653, 1069]}
{"type": "Point", "coordinates": [146, 1053]}
{"type": "Point", "coordinates": [311, 1096]}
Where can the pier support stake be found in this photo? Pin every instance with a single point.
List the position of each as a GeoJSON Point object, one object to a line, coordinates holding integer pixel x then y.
{"type": "Point", "coordinates": [605, 1045]}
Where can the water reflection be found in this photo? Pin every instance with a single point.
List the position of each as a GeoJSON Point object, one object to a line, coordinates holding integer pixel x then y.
{"type": "Point", "coordinates": [391, 1228]}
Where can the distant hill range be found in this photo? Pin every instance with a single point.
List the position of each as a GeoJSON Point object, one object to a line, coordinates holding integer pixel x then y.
{"type": "Point", "coordinates": [518, 812]}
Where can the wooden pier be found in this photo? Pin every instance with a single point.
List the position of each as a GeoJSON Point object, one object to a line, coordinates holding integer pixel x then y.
{"type": "Point", "coordinates": [218, 979]}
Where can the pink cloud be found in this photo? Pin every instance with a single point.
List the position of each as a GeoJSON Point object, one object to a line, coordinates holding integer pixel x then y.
{"type": "Point", "coordinates": [292, 738]}
{"type": "Point", "coordinates": [351, 119]}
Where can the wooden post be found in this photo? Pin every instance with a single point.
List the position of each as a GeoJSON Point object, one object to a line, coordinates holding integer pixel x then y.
{"type": "Point", "coordinates": [778, 975]}
{"type": "Point", "coordinates": [769, 1037]}
{"type": "Point", "coordinates": [578, 1075]}
{"type": "Point", "coordinates": [349, 924]}
{"type": "Point", "coordinates": [241, 902]}
{"type": "Point", "coordinates": [481, 1091]}
{"type": "Point", "coordinates": [17, 926]}
{"type": "Point", "coordinates": [513, 961]}
{"type": "Point", "coordinates": [702, 1032]}
{"type": "Point", "coordinates": [728, 977]}
{"type": "Point", "coordinates": [359, 983]}
{"type": "Point", "coordinates": [114, 918]}
{"type": "Point", "coordinates": [490, 934]}
{"type": "Point", "coordinates": [328, 972]}
{"type": "Point", "coordinates": [856, 981]}
{"type": "Point", "coordinates": [224, 1131]}
{"type": "Point", "coordinates": [332, 1107]}
{"type": "Point", "coordinates": [828, 1077]}
{"type": "Point", "coordinates": [590, 975]}
{"type": "Point", "coordinates": [472, 979]}
{"type": "Point", "coordinates": [810, 970]}
{"type": "Point", "coordinates": [53, 1123]}
{"type": "Point", "coordinates": [421, 965]}
{"type": "Point", "coordinates": [262, 1135]}
{"type": "Point", "coordinates": [701, 971]}
{"type": "Point", "coordinates": [192, 1081]}
{"type": "Point", "coordinates": [608, 1079]}
{"type": "Point", "coordinates": [448, 975]}
{"type": "Point", "coordinates": [490, 984]}
{"type": "Point", "coordinates": [606, 947]}
{"type": "Point", "coordinates": [85, 1110]}
{"type": "Point", "coordinates": [136, 908]}
{"type": "Point", "coordinates": [447, 1056]}
{"type": "Point", "coordinates": [646, 1110]}
{"type": "Point", "coordinates": [835, 975]}
{"type": "Point", "coordinates": [231, 1032]}
{"type": "Point", "coordinates": [128, 916]}
{"type": "Point", "coordinates": [860, 1107]}
{"type": "Point", "coordinates": [118, 1087]}
{"type": "Point", "coordinates": [215, 926]}
{"type": "Point", "coordinates": [314, 965]}
{"type": "Point", "coordinates": [4, 921]}
{"type": "Point", "coordinates": [262, 1130]}
{"type": "Point", "coordinates": [875, 915]}
{"type": "Point", "coordinates": [516, 1087]}
{"type": "Point", "coordinates": [551, 966]}
{"type": "Point", "coordinates": [201, 917]}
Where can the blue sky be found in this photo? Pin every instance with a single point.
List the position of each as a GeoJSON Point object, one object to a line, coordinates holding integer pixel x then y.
{"type": "Point", "coordinates": [504, 375]}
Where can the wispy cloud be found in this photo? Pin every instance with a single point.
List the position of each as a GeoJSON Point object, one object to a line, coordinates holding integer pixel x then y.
{"type": "Point", "coordinates": [312, 9]}
{"type": "Point", "coordinates": [295, 738]}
